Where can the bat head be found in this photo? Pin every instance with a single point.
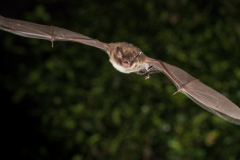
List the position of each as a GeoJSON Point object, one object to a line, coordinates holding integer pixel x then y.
{"type": "Point", "coordinates": [125, 57]}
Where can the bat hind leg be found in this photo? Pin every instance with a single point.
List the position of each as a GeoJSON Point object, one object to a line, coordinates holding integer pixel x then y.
{"type": "Point", "coordinates": [144, 72]}
{"type": "Point", "coordinates": [149, 70]}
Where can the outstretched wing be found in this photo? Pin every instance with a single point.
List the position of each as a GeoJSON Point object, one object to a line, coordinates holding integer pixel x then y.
{"type": "Point", "coordinates": [32, 30]}
{"type": "Point", "coordinates": [200, 93]}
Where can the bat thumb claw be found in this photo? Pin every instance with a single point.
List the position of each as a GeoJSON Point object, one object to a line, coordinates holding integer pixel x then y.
{"type": "Point", "coordinates": [176, 92]}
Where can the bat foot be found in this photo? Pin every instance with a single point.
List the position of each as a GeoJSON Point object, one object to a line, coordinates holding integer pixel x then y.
{"type": "Point", "coordinates": [147, 76]}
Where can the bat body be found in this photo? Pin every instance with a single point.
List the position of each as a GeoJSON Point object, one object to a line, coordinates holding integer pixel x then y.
{"type": "Point", "coordinates": [127, 58]}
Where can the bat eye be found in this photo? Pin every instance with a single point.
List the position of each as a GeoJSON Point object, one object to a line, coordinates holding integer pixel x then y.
{"type": "Point", "coordinates": [136, 57]}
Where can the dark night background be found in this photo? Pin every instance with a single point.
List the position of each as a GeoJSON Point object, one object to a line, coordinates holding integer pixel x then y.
{"type": "Point", "coordinates": [68, 102]}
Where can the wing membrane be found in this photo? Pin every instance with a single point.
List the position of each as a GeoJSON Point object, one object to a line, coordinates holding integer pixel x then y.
{"type": "Point", "coordinates": [32, 30]}
{"type": "Point", "coordinates": [200, 93]}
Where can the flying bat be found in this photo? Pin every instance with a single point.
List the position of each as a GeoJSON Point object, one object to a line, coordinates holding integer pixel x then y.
{"type": "Point", "coordinates": [127, 58]}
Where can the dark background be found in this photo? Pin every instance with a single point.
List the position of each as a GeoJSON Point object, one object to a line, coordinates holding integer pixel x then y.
{"type": "Point", "coordinates": [68, 102]}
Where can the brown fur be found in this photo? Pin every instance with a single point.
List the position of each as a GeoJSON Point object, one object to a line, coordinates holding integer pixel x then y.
{"type": "Point", "coordinates": [129, 51]}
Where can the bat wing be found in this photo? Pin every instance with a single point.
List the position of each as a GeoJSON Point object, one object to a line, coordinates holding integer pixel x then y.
{"type": "Point", "coordinates": [200, 93]}
{"type": "Point", "coordinates": [32, 30]}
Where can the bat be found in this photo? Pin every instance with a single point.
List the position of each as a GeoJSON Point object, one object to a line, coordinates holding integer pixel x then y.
{"type": "Point", "coordinates": [127, 58]}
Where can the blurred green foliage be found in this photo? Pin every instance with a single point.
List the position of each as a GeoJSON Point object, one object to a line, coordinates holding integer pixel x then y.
{"type": "Point", "coordinates": [68, 102]}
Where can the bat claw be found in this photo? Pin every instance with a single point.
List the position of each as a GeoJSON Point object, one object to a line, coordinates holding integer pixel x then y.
{"type": "Point", "coordinates": [175, 92]}
{"type": "Point", "coordinates": [52, 37]}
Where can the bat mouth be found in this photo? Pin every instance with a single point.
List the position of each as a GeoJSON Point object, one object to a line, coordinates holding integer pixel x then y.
{"type": "Point", "coordinates": [126, 63]}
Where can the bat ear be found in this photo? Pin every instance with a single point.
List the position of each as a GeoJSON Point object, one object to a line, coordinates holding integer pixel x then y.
{"type": "Point", "coordinates": [118, 53]}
